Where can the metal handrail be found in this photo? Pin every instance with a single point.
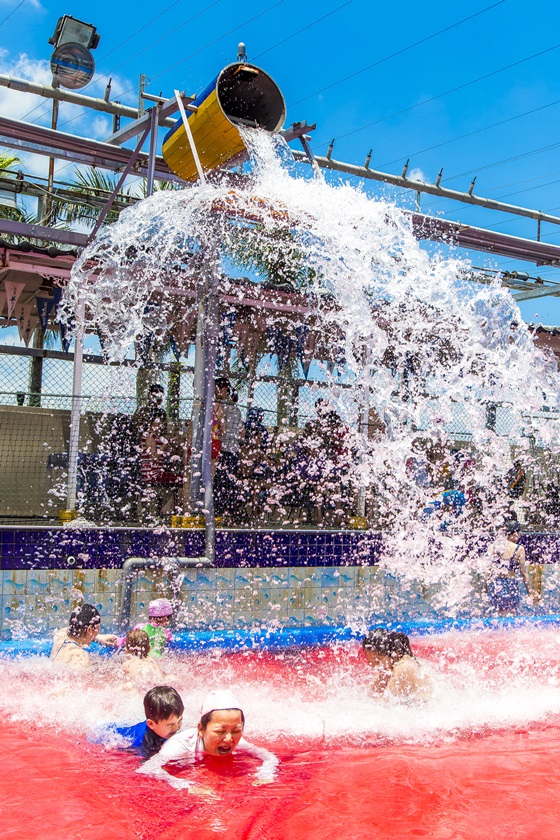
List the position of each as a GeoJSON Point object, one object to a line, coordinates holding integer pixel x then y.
{"type": "Point", "coordinates": [133, 565]}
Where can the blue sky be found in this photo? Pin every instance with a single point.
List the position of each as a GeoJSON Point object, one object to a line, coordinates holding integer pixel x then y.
{"type": "Point", "coordinates": [404, 79]}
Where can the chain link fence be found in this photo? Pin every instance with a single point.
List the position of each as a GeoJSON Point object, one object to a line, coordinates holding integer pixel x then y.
{"type": "Point", "coordinates": [35, 431]}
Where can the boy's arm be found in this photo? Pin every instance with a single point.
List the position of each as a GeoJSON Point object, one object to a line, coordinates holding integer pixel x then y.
{"type": "Point", "coordinates": [525, 574]}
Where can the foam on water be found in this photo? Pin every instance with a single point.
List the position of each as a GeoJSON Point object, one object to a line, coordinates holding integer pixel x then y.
{"type": "Point", "coordinates": [484, 680]}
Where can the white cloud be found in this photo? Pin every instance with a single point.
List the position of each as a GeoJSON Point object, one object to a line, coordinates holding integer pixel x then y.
{"type": "Point", "coordinates": [100, 128]}
{"type": "Point", "coordinates": [417, 174]}
{"type": "Point", "coordinates": [13, 103]}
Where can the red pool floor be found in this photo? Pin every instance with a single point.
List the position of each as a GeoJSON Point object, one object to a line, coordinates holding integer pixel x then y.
{"type": "Point", "coordinates": [499, 785]}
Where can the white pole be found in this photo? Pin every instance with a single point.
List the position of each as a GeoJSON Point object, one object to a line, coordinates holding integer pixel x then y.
{"type": "Point", "coordinates": [74, 443]}
{"type": "Point", "coordinates": [364, 424]}
{"type": "Point", "coordinates": [194, 150]}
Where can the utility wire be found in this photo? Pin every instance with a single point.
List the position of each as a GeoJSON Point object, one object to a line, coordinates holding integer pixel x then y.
{"type": "Point", "coordinates": [399, 52]}
{"type": "Point", "coordinates": [441, 95]}
{"type": "Point", "coordinates": [157, 41]}
{"type": "Point", "coordinates": [211, 43]}
{"type": "Point", "coordinates": [138, 31]}
{"type": "Point", "coordinates": [201, 49]}
{"type": "Point", "coordinates": [477, 131]}
{"type": "Point", "coordinates": [219, 38]}
{"type": "Point", "coordinates": [12, 12]}
{"type": "Point", "coordinates": [163, 37]}
{"type": "Point", "coordinates": [304, 29]}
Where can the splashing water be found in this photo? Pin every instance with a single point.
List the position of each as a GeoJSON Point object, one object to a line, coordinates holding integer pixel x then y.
{"type": "Point", "coordinates": [422, 344]}
{"type": "Point", "coordinates": [300, 697]}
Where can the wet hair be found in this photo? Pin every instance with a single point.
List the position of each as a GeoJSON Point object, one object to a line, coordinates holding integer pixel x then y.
{"type": "Point", "coordinates": [138, 643]}
{"type": "Point", "coordinates": [223, 382]}
{"type": "Point", "coordinates": [161, 702]}
{"type": "Point", "coordinates": [387, 643]}
{"type": "Point", "coordinates": [156, 388]}
{"type": "Point", "coordinates": [205, 719]}
{"type": "Point", "coordinates": [512, 527]}
{"type": "Point", "coordinates": [82, 618]}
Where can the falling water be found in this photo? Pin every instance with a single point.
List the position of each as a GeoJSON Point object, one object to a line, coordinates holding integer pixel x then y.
{"type": "Point", "coordinates": [406, 327]}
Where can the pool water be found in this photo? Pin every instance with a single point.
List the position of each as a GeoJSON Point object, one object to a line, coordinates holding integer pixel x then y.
{"type": "Point", "coordinates": [478, 761]}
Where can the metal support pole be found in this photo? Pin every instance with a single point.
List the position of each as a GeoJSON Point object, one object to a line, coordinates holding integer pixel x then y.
{"type": "Point", "coordinates": [121, 181]}
{"type": "Point", "coordinates": [201, 489]}
{"type": "Point", "coordinates": [211, 352]}
{"type": "Point", "coordinates": [304, 140]}
{"type": "Point", "coordinates": [197, 426]}
{"type": "Point", "coordinates": [153, 150]}
{"type": "Point", "coordinates": [50, 177]}
{"type": "Point", "coordinates": [190, 137]}
{"type": "Point", "coordinates": [74, 442]}
{"type": "Point", "coordinates": [364, 424]}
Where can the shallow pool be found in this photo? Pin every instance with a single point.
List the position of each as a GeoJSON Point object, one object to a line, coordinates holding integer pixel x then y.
{"type": "Point", "coordinates": [478, 761]}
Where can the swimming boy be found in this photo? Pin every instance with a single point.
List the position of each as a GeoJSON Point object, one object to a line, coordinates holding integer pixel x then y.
{"type": "Point", "coordinates": [83, 628]}
{"type": "Point", "coordinates": [396, 671]}
{"type": "Point", "coordinates": [219, 733]}
{"type": "Point", "coordinates": [164, 709]}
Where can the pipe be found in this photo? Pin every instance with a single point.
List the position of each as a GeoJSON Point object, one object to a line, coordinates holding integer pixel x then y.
{"type": "Point", "coordinates": [61, 95]}
{"type": "Point", "coordinates": [196, 418]}
{"type": "Point", "coordinates": [211, 329]}
{"type": "Point", "coordinates": [192, 144]}
{"type": "Point", "coordinates": [364, 425]}
{"type": "Point", "coordinates": [134, 564]}
{"type": "Point", "coordinates": [420, 186]}
{"type": "Point", "coordinates": [153, 150]}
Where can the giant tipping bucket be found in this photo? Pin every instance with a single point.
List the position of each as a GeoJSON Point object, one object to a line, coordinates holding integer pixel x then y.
{"type": "Point", "coordinates": [242, 94]}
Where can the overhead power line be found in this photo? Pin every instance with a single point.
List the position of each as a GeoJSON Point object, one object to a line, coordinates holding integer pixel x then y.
{"type": "Point", "coordinates": [12, 12]}
{"type": "Point", "coordinates": [398, 52]}
{"type": "Point", "coordinates": [304, 29]}
{"type": "Point", "coordinates": [319, 145]}
{"type": "Point", "coordinates": [472, 133]}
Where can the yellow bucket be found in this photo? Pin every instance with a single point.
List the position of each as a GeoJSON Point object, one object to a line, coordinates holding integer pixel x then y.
{"type": "Point", "coordinates": [242, 94]}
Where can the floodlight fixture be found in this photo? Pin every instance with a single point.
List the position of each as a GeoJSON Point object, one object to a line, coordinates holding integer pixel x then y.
{"type": "Point", "coordinates": [71, 30]}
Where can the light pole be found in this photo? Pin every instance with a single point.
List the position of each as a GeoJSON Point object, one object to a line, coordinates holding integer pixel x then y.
{"type": "Point", "coordinates": [72, 66]}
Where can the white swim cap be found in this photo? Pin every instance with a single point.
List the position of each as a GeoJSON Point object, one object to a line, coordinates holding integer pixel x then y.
{"type": "Point", "coordinates": [219, 699]}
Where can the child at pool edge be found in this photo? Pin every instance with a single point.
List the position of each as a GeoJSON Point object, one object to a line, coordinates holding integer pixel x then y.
{"type": "Point", "coordinates": [138, 665]}
{"type": "Point", "coordinates": [396, 670]}
{"type": "Point", "coordinates": [159, 616]}
{"type": "Point", "coordinates": [219, 733]}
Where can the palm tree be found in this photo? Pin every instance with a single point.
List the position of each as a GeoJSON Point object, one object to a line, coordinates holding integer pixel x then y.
{"type": "Point", "coordinates": [90, 192]}
{"type": "Point", "coordinates": [9, 208]}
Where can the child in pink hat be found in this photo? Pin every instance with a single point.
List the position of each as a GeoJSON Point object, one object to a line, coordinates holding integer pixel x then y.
{"type": "Point", "coordinates": [159, 615]}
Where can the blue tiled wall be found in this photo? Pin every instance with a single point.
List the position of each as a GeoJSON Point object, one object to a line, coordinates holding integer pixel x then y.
{"type": "Point", "coordinates": [261, 579]}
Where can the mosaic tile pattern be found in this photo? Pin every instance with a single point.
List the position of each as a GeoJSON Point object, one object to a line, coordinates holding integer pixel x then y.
{"type": "Point", "coordinates": [261, 579]}
{"type": "Point", "coordinates": [40, 601]}
{"type": "Point", "coordinates": [60, 548]}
